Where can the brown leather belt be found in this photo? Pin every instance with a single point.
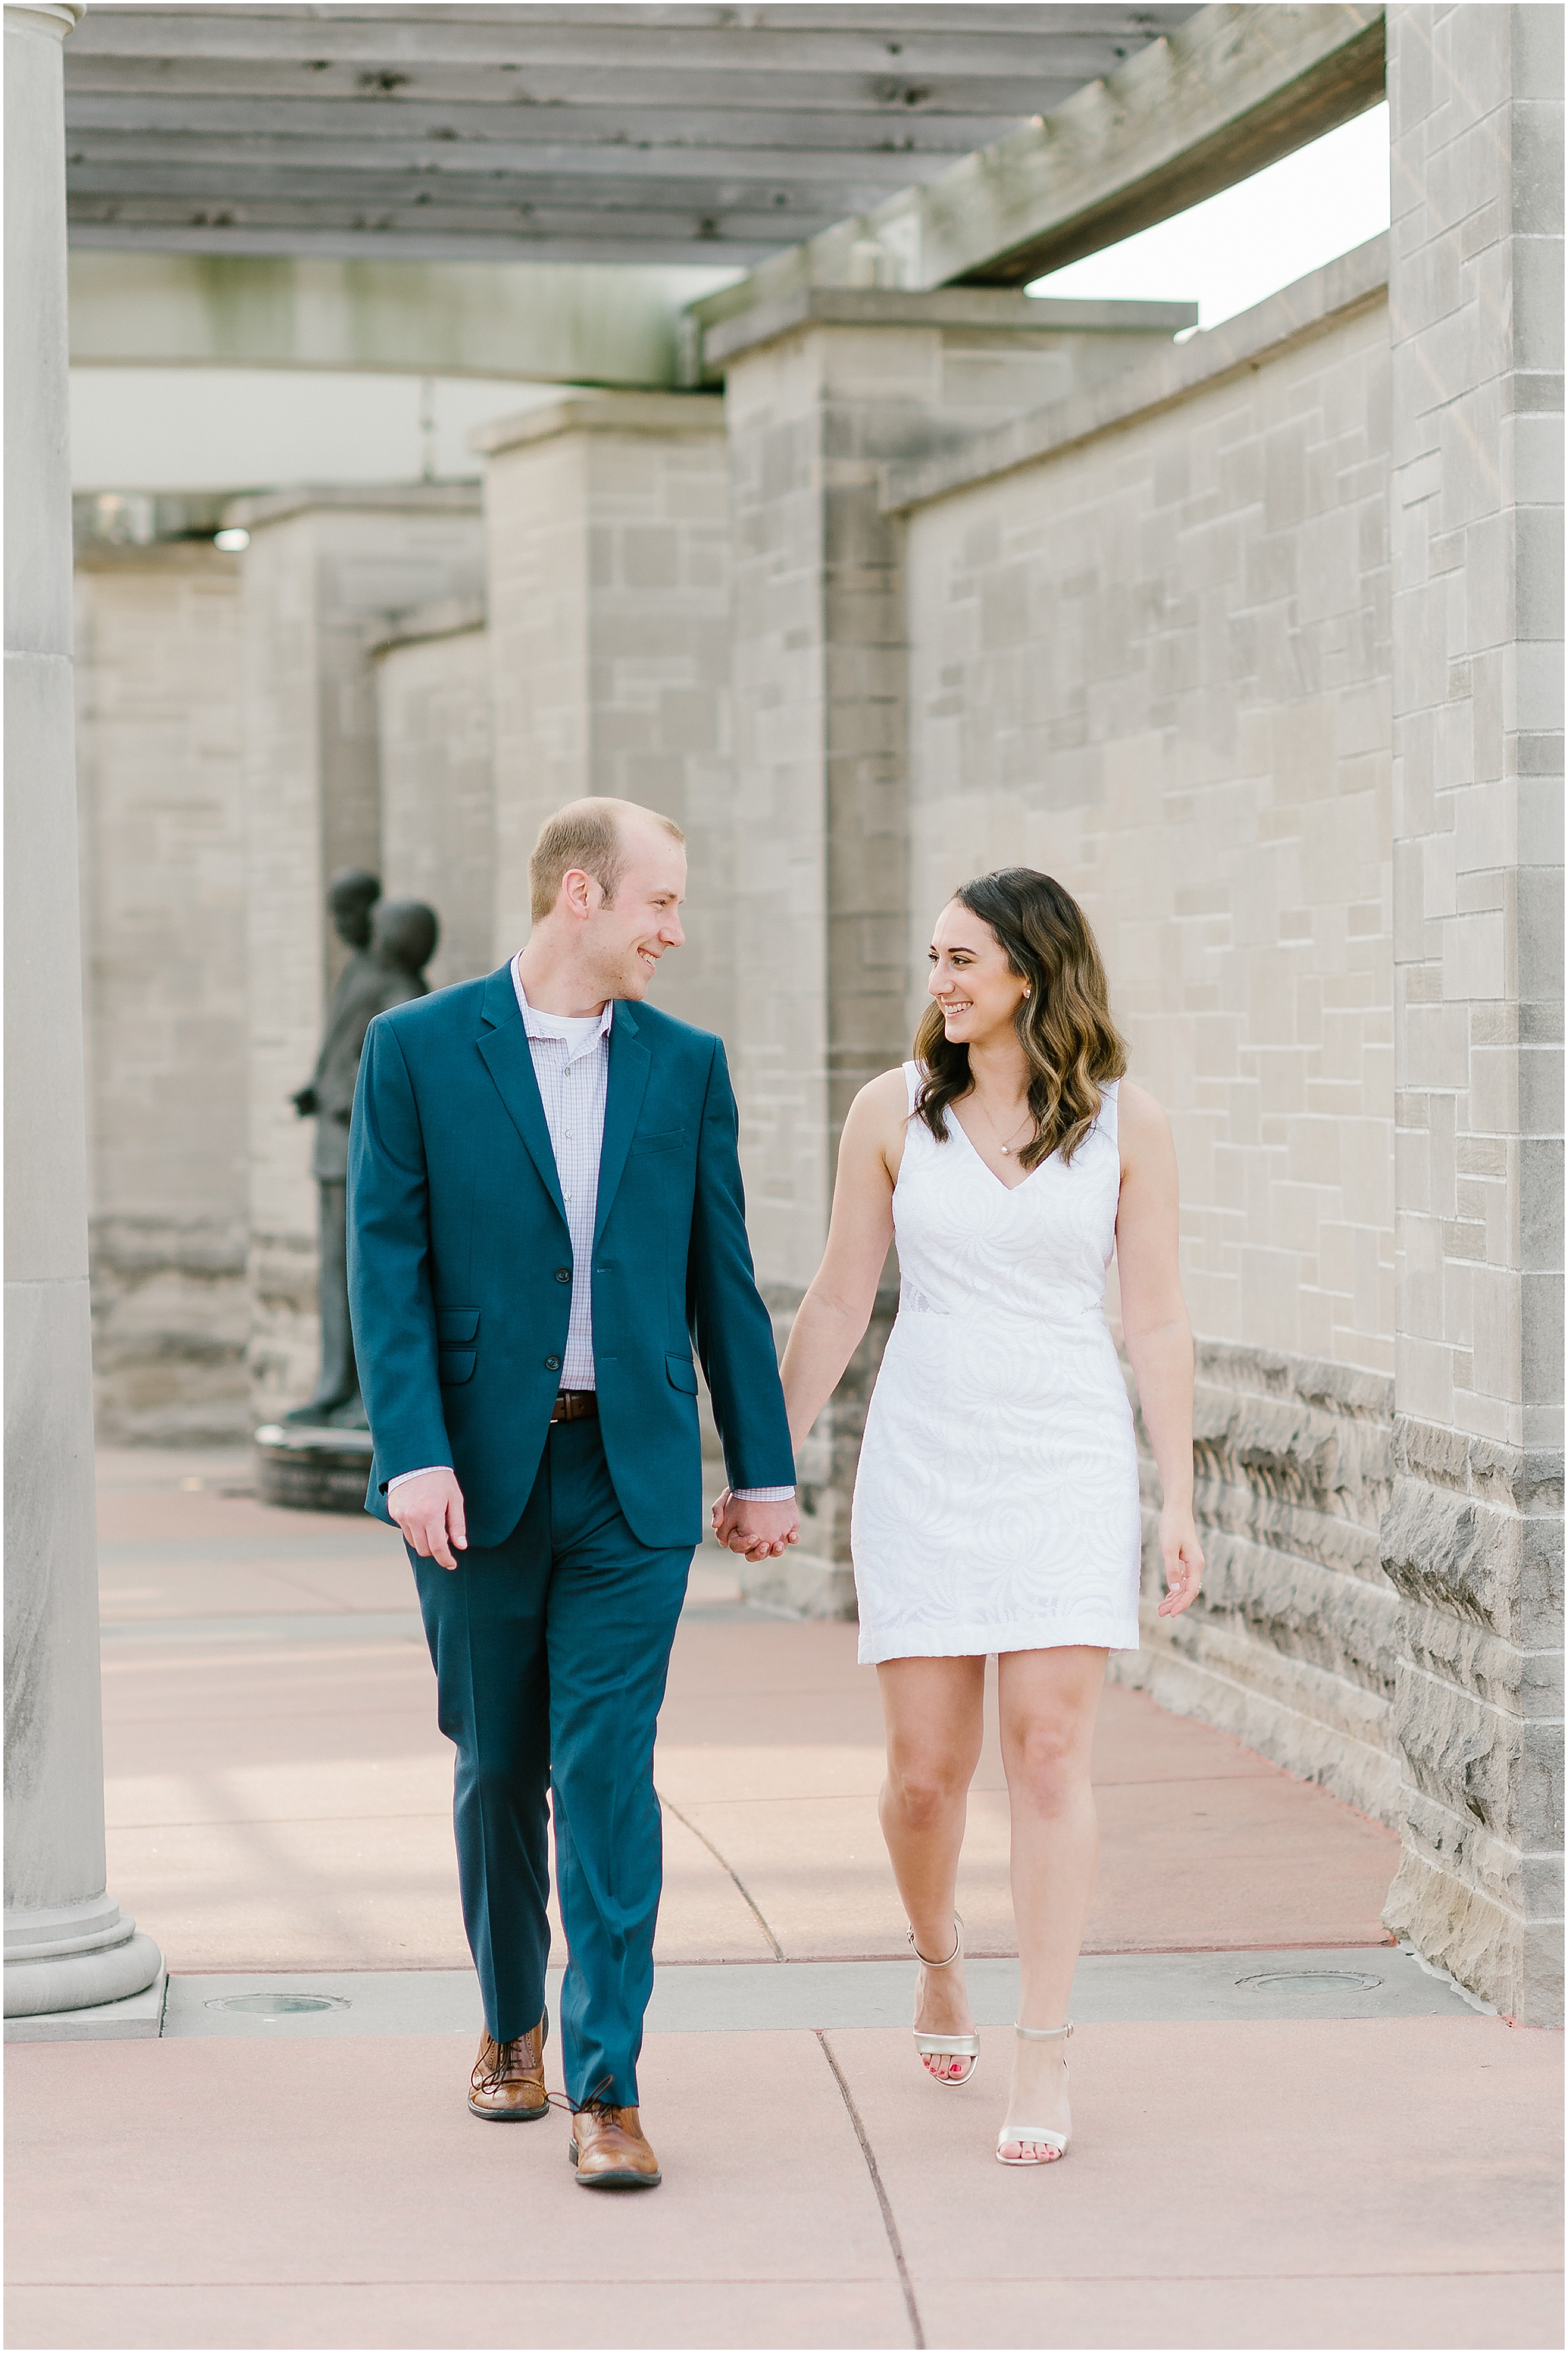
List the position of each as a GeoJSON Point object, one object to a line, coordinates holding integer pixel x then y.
{"type": "Point", "coordinates": [575, 1405]}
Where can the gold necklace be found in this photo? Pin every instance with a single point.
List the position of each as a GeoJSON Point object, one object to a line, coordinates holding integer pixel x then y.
{"type": "Point", "coordinates": [1005, 1148]}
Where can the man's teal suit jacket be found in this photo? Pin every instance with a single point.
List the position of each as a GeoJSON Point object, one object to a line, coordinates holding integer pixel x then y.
{"type": "Point", "coordinates": [461, 1264]}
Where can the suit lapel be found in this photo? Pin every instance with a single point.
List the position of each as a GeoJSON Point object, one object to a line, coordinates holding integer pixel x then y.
{"type": "Point", "coordinates": [503, 1043]}
{"type": "Point", "coordinates": [629, 1067]}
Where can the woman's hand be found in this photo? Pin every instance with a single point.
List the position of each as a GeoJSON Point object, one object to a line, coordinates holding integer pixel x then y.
{"type": "Point", "coordinates": [1182, 1557]}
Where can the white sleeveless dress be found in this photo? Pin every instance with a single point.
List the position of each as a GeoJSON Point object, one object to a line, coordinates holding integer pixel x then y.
{"type": "Point", "coordinates": [996, 1503]}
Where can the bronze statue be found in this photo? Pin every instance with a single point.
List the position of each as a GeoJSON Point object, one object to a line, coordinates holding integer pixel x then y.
{"type": "Point", "coordinates": [392, 942]}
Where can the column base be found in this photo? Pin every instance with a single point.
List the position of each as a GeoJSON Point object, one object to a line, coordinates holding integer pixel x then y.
{"type": "Point", "coordinates": [133, 2020]}
{"type": "Point", "coordinates": [74, 1957]}
{"type": "Point", "coordinates": [138, 2016]}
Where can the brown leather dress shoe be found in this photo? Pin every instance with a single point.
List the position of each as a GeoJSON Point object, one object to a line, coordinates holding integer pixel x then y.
{"type": "Point", "coordinates": [507, 2085]}
{"type": "Point", "coordinates": [609, 2151]}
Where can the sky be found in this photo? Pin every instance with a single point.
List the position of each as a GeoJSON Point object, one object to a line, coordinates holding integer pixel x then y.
{"type": "Point", "coordinates": [1248, 242]}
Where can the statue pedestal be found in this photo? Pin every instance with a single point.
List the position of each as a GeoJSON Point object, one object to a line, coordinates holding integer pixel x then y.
{"type": "Point", "coordinates": [312, 1469]}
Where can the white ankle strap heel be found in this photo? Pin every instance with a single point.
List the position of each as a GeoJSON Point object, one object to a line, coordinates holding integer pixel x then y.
{"type": "Point", "coordinates": [1035, 2136]}
{"type": "Point", "coordinates": [947, 2046]}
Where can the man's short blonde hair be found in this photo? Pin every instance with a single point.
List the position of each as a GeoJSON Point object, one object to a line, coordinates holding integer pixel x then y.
{"type": "Point", "coordinates": [585, 834]}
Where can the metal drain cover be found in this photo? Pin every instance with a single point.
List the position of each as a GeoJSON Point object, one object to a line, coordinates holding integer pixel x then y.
{"type": "Point", "coordinates": [1346, 1980]}
{"type": "Point", "coordinates": [277, 2005]}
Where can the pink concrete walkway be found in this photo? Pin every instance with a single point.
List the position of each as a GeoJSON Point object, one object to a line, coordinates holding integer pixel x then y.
{"type": "Point", "coordinates": [282, 1804]}
{"type": "Point", "coordinates": [1238, 2185]}
{"type": "Point", "coordinates": [287, 1804]}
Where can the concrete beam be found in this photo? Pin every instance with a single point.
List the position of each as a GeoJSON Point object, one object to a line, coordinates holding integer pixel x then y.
{"type": "Point", "coordinates": [536, 322]}
{"type": "Point", "coordinates": [979, 310]}
{"type": "Point", "coordinates": [1233, 90]}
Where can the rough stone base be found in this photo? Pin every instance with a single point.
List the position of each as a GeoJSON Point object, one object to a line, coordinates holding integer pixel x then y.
{"type": "Point", "coordinates": [171, 1313]}
{"type": "Point", "coordinates": [1514, 1963]}
{"type": "Point", "coordinates": [1357, 1772]}
{"type": "Point", "coordinates": [284, 1351]}
{"type": "Point", "coordinates": [801, 1582]}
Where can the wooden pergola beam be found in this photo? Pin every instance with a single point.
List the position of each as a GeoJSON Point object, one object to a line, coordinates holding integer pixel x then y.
{"type": "Point", "coordinates": [1233, 90]}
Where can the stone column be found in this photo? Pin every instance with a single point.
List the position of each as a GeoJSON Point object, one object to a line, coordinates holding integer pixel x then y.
{"type": "Point", "coordinates": [68, 1945]}
{"type": "Point", "coordinates": [821, 392]}
{"type": "Point", "coordinates": [327, 575]}
{"type": "Point", "coordinates": [437, 780]}
{"type": "Point", "coordinates": [1473, 1538]}
{"type": "Point", "coordinates": [161, 801]}
{"type": "Point", "coordinates": [608, 540]}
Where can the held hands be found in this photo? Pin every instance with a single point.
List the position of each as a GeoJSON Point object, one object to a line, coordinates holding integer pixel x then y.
{"type": "Point", "coordinates": [1182, 1558]}
{"type": "Point", "coordinates": [429, 1511]}
{"type": "Point", "coordinates": [760, 1531]}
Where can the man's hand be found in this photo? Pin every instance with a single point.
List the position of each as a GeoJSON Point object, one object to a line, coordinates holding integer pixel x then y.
{"type": "Point", "coordinates": [429, 1511]}
{"type": "Point", "coordinates": [760, 1531]}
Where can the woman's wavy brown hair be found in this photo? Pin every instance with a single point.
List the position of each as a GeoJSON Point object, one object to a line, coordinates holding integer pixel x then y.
{"type": "Point", "coordinates": [1064, 1024]}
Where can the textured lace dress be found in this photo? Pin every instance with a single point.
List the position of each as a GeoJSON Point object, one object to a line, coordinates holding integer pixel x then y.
{"type": "Point", "coordinates": [996, 1503]}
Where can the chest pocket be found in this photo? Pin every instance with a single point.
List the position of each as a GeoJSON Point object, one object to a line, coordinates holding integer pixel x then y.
{"type": "Point", "coordinates": [668, 1142]}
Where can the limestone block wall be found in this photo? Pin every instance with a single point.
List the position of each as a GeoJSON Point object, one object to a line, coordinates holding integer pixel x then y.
{"type": "Point", "coordinates": [1149, 652]}
{"type": "Point", "coordinates": [438, 793]}
{"type": "Point", "coordinates": [162, 863]}
{"type": "Point", "coordinates": [820, 394]}
{"type": "Point", "coordinates": [327, 575]}
{"type": "Point", "coordinates": [607, 520]}
{"type": "Point", "coordinates": [1473, 1542]}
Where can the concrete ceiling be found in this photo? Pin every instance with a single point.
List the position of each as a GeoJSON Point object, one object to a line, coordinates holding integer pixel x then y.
{"type": "Point", "coordinates": [713, 135]}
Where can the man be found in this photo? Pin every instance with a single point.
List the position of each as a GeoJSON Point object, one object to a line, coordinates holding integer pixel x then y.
{"type": "Point", "coordinates": [545, 1211]}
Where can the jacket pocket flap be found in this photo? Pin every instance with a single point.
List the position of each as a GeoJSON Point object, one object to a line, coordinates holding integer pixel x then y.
{"type": "Point", "coordinates": [455, 1365]}
{"type": "Point", "coordinates": [683, 1374]}
{"type": "Point", "coordinates": [456, 1324]}
{"type": "Point", "coordinates": [666, 1142]}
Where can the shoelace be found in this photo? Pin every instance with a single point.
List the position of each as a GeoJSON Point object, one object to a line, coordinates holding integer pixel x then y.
{"type": "Point", "coordinates": [595, 2105]}
{"type": "Point", "coordinates": [505, 2053]}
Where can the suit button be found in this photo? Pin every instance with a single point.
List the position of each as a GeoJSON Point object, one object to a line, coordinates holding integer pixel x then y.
{"type": "Point", "coordinates": [552, 1364]}
{"type": "Point", "coordinates": [563, 1274]}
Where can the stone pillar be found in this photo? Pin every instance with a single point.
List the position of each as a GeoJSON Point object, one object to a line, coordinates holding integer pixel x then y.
{"type": "Point", "coordinates": [68, 1945]}
{"type": "Point", "coordinates": [160, 793]}
{"type": "Point", "coordinates": [608, 540]}
{"type": "Point", "coordinates": [1472, 1538]}
{"type": "Point", "coordinates": [327, 574]}
{"type": "Point", "coordinates": [821, 392]}
{"type": "Point", "coordinates": [437, 780]}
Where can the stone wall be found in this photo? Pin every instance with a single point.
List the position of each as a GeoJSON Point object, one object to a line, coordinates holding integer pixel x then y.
{"type": "Point", "coordinates": [163, 863]}
{"type": "Point", "coordinates": [609, 603]}
{"type": "Point", "coordinates": [1149, 653]}
{"type": "Point", "coordinates": [820, 394]}
{"type": "Point", "coordinates": [327, 575]}
{"type": "Point", "coordinates": [1473, 1542]}
{"type": "Point", "coordinates": [438, 792]}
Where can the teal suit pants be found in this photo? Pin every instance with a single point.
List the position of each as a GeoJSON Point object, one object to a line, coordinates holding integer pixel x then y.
{"type": "Point", "coordinates": [551, 1650]}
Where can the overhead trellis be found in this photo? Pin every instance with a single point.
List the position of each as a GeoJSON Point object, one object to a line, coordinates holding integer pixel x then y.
{"type": "Point", "coordinates": [666, 134]}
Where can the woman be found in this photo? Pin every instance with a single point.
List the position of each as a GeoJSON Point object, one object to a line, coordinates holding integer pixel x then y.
{"type": "Point", "coordinates": [996, 1506]}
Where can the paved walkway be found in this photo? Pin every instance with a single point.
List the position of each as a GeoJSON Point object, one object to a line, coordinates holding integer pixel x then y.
{"type": "Point", "coordinates": [1286, 2133]}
